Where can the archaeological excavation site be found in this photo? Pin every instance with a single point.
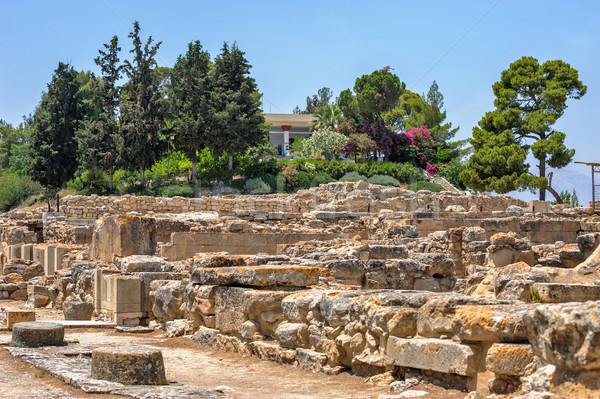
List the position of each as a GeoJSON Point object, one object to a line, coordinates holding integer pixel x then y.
{"type": "Point", "coordinates": [346, 290]}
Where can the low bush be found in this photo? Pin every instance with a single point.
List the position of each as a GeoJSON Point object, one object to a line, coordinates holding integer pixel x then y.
{"type": "Point", "coordinates": [177, 190]}
{"type": "Point", "coordinates": [321, 178]}
{"type": "Point", "coordinates": [353, 177]}
{"type": "Point", "coordinates": [257, 186]}
{"type": "Point", "coordinates": [384, 180]}
{"type": "Point", "coordinates": [424, 185]}
{"type": "Point", "coordinates": [15, 188]}
{"type": "Point", "coordinates": [303, 180]}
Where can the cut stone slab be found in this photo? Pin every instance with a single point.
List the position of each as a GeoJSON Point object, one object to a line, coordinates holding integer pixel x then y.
{"type": "Point", "coordinates": [439, 355]}
{"type": "Point", "coordinates": [257, 276]}
{"type": "Point", "coordinates": [140, 263]}
{"type": "Point", "coordinates": [510, 359]}
{"type": "Point", "coordinates": [33, 334]}
{"type": "Point", "coordinates": [139, 365]}
{"type": "Point", "coordinates": [77, 310]}
{"type": "Point", "coordinates": [18, 316]}
{"type": "Point", "coordinates": [559, 293]}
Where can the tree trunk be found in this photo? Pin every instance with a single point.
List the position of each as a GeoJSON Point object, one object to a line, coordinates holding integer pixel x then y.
{"type": "Point", "coordinates": [194, 162]}
{"type": "Point", "coordinates": [111, 173]}
{"type": "Point", "coordinates": [142, 176]}
{"type": "Point", "coordinates": [556, 195]}
{"type": "Point", "coordinates": [543, 174]}
{"type": "Point", "coordinates": [230, 164]}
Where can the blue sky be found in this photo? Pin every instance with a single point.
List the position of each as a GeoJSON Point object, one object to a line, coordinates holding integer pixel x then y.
{"type": "Point", "coordinates": [298, 47]}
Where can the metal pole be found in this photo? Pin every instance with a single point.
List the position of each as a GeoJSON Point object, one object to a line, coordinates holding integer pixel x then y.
{"type": "Point", "coordinates": [593, 190]}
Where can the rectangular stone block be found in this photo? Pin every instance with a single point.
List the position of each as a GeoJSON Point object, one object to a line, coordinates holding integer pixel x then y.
{"type": "Point", "coordinates": [14, 251]}
{"type": "Point", "coordinates": [490, 323]}
{"type": "Point", "coordinates": [59, 252]}
{"type": "Point", "coordinates": [510, 359]}
{"type": "Point", "coordinates": [439, 355]}
{"type": "Point", "coordinates": [257, 276]}
{"type": "Point", "coordinates": [558, 292]}
{"type": "Point", "coordinates": [18, 316]}
{"type": "Point", "coordinates": [229, 309]}
{"type": "Point", "coordinates": [38, 254]}
{"type": "Point", "coordinates": [27, 251]}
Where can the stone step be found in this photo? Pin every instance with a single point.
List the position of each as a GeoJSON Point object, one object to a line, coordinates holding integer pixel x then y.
{"type": "Point", "coordinates": [257, 276]}
{"type": "Point", "coordinates": [559, 292]}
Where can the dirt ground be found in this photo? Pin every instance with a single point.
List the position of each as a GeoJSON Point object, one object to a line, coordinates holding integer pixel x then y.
{"type": "Point", "coordinates": [240, 376]}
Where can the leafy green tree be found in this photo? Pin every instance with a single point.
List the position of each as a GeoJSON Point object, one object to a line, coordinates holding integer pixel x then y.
{"type": "Point", "coordinates": [10, 138]}
{"type": "Point", "coordinates": [55, 121]}
{"type": "Point", "coordinates": [97, 139]}
{"type": "Point", "coordinates": [319, 100]}
{"type": "Point", "coordinates": [188, 93]}
{"type": "Point", "coordinates": [529, 99]}
{"type": "Point", "coordinates": [326, 142]}
{"type": "Point", "coordinates": [237, 122]}
{"type": "Point", "coordinates": [141, 107]}
{"type": "Point", "coordinates": [359, 144]}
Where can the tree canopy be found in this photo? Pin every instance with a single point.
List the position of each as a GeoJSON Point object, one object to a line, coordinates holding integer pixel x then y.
{"type": "Point", "coordinates": [530, 98]}
{"type": "Point", "coordinates": [55, 121]}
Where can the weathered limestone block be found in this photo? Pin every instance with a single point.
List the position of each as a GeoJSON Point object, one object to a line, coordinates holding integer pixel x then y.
{"type": "Point", "coordinates": [490, 323]}
{"type": "Point", "coordinates": [439, 355]}
{"type": "Point", "coordinates": [337, 307]}
{"type": "Point", "coordinates": [559, 292]}
{"type": "Point", "coordinates": [168, 299]}
{"type": "Point", "coordinates": [388, 251]}
{"type": "Point", "coordinates": [139, 263]}
{"type": "Point", "coordinates": [297, 306]}
{"type": "Point", "coordinates": [273, 352]}
{"type": "Point", "coordinates": [76, 310]}
{"type": "Point", "coordinates": [566, 335]}
{"type": "Point", "coordinates": [219, 260]}
{"type": "Point", "coordinates": [123, 235]}
{"type": "Point", "coordinates": [292, 334]}
{"type": "Point", "coordinates": [348, 271]}
{"type": "Point", "coordinates": [435, 318]}
{"type": "Point", "coordinates": [510, 359]}
{"type": "Point", "coordinates": [17, 316]}
{"type": "Point", "coordinates": [28, 269]}
{"type": "Point", "coordinates": [310, 360]}
{"type": "Point", "coordinates": [130, 365]}
{"type": "Point", "coordinates": [33, 334]}
{"type": "Point", "coordinates": [264, 308]}
{"type": "Point", "coordinates": [229, 309]}
{"type": "Point", "coordinates": [257, 276]}
{"type": "Point", "coordinates": [200, 304]}
{"type": "Point", "coordinates": [205, 336]}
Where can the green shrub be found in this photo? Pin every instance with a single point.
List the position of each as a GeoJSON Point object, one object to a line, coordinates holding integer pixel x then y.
{"type": "Point", "coordinates": [14, 188]}
{"type": "Point", "coordinates": [424, 185]}
{"type": "Point", "coordinates": [259, 169]}
{"type": "Point", "coordinates": [177, 190]}
{"type": "Point", "coordinates": [257, 186]}
{"type": "Point", "coordinates": [452, 171]}
{"type": "Point", "coordinates": [384, 180]}
{"type": "Point", "coordinates": [89, 179]}
{"type": "Point", "coordinates": [303, 180]}
{"type": "Point", "coordinates": [280, 185]}
{"type": "Point", "coordinates": [353, 177]}
{"type": "Point", "coordinates": [321, 178]}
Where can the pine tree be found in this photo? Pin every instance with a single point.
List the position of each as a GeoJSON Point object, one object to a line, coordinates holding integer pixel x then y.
{"type": "Point", "coordinates": [188, 95]}
{"type": "Point", "coordinates": [55, 121]}
{"type": "Point", "coordinates": [236, 123]}
{"type": "Point", "coordinates": [141, 107]}
{"type": "Point", "coordinates": [97, 140]}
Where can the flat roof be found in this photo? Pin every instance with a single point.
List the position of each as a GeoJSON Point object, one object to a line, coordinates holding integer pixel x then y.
{"type": "Point", "coordinates": [289, 119]}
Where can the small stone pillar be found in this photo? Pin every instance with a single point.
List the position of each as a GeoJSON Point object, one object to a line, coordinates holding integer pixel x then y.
{"type": "Point", "coordinates": [33, 334]}
{"type": "Point", "coordinates": [49, 260]}
{"type": "Point", "coordinates": [142, 365]}
{"type": "Point", "coordinates": [38, 254]}
{"type": "Point", "coordinates": [14, 251]}
{"type": "Point", "coordinates": [59, 252]}
{"type": "Point", "coordinates": [27, 251]}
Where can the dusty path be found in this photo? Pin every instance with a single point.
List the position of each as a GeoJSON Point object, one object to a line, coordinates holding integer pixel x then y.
{"type": "Point", "coordinates": [240, 376]}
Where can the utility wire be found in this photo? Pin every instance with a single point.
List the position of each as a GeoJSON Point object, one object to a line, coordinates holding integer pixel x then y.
{"type": "Point", "coordinates": [455, 43]}
{"type": "Point", "coordinates": [128, 26]}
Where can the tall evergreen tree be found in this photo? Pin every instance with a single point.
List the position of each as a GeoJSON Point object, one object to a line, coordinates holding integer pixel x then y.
{"type": "Point", "coordinates": [141, 107]}
{"type": "Point", "coordinates": [188, 95]}
{"type": "Point", "coordinates": [97, 140]}
{"type": "Point", "coordinates": [237, 120]}
{"type": "Point", "coordinates": [529, 99]}
{"type": "Point", "coordinates": [55, 121]}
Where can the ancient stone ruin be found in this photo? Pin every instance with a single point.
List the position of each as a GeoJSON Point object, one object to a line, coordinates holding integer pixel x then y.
{"type": "Point", "coordinates": [481, 293]}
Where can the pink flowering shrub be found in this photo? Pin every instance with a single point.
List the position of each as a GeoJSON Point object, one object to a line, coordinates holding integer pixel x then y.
{"type": "Point", "coordinates": [290, 176]}
{"type": "Point", "coordinates": [433, 170]}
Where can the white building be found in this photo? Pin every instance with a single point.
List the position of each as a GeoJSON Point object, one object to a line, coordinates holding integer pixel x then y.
{"type": "Point", "coordinates": [286, 127]}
